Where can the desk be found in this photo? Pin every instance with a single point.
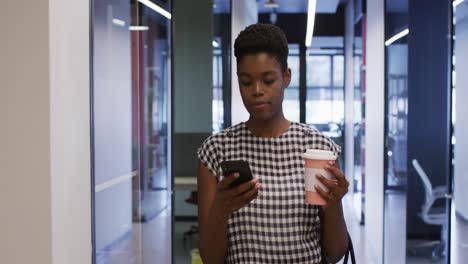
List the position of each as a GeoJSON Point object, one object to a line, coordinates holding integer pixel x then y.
{"type": "Point", "coordinates": [185, 183]}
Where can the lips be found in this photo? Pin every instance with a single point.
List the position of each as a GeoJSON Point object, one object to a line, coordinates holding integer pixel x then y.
{"type": "Point", "coordinates": [260, 105]}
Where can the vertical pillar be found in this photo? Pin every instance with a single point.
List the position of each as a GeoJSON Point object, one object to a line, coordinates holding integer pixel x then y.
{"type": "Point", "coordinates": [374, 127]}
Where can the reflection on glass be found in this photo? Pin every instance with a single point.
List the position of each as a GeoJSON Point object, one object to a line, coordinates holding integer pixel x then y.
{"type": "Point", "coordinates": [397, 112]}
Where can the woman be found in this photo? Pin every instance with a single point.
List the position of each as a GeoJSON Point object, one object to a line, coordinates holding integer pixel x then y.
{"type": "Point", "coordinates": [266, 220]}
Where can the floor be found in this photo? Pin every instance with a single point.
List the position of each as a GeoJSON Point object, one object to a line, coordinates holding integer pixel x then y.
{"type": "Point", "coordinates": [459, 238]}
{"type": "Point", "coordinates": [151, 242]}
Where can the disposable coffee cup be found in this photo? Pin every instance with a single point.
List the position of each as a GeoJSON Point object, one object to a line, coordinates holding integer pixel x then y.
{"type": "Point", "coordinates": [315, 162]}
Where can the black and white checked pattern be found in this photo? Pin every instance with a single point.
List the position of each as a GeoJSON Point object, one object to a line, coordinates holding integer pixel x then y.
{"type": "Point", "coordinates": [278, 226]}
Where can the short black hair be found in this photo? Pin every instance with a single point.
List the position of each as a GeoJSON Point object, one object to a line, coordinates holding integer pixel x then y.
{"type": "Point", "coordinates": [258, 38]}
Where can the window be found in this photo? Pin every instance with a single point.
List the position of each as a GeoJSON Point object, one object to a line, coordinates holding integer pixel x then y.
{"type": "Point", "coordinates": [218, 106]}
{"type": "Point", "coordinates": [325, 89]}
{"type": "Point", "coordinates": [291, 107]}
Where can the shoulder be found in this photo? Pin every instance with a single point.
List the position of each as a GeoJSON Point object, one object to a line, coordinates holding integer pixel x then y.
{"type": "Point", "coordinates": [317, 139]}
{"type": "Point", "coordinates": [224, 135]}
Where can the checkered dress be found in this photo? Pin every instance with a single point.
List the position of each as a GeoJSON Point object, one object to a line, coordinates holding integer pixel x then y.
{"type": "Point", "coordinates": [278, 226]}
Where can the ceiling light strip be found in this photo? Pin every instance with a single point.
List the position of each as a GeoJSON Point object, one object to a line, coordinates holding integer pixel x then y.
{"type": "Point", "coordinates": [310, 22]}
{"type": "Point", "coordinates": [396, 37]}
{"type": "Point", "coordinates": [156, 8]}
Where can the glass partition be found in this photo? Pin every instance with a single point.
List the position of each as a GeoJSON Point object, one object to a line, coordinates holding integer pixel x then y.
{"type": "Point", "coordinates": [132, 131]}
{"type": "Point", "coordinates": [416, 217]}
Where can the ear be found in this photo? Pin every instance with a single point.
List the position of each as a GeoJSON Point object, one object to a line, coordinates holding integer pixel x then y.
{"type": "Point", "coordinates": [287, 78]}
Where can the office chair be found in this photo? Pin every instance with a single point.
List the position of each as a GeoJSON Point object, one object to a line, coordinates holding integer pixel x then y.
{"type": "Point", "coordinates": [193, 199]}
{"type": "Point", "coordinates": [433, 215]}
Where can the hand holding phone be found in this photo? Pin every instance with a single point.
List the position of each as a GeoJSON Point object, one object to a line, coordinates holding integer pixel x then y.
{"type": "Point", "coordinates": [239, 166]}
{"type": "Point", "coordinates": [237, 189]}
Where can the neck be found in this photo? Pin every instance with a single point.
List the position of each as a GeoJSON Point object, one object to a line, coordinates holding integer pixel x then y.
{"type": "Point", "coordinates": [274, 127]}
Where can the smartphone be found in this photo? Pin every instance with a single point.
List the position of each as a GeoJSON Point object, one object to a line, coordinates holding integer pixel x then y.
{"type": "Point", "coordinates": [240, 166]}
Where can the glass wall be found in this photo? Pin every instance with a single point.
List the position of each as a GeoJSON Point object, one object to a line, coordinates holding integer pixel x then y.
{"type": "Point", "coordinates": [396, 122]}
{"type": "Point", "coordinates": [417, 147]}
{"type": "Point", "coordinates": [132, 136]}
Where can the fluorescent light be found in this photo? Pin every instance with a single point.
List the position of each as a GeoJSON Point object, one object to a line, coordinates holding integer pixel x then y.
{"type": "Point", "coordinates": [215, 44]}
{"type": "Point", "coordinates": [457, 2]}
{"type": "Point", "coordinates": [396, 37]}
{"type": "Point", "coordinates": [310, 22]}
{"type": "Point", "coordinates": [138, 28]}
{"type": "Point", "coordinates": [156, 8]}
{"type": "Point", "coordinates": [118, 22]}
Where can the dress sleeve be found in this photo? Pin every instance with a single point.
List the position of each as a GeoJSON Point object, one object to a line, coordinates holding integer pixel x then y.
{"type": "Point", "coordinates": [208, 154]}
{"type": "Point", "coordinates": [317, 140]}
{"type": "Point", "coordinates": [334, 147]}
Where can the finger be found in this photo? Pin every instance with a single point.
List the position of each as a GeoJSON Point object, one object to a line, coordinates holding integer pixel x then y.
{"type": "Point", "coordinates": [244, 187]}
{"type": "Point", "coordinates": [336, 171]}
{"type": "Point", "coordinates": [240, 204]}
{"type": "Point", "coordinates": [227, 180]}
{"type": "Point", "coordinates": [253, 197]}
{"type": "Point", "coordinates": [325, 195]}
{"type": "Point", "coordinates": [330, 184]}
{"type": "Point", "coordinates": [249, 195]}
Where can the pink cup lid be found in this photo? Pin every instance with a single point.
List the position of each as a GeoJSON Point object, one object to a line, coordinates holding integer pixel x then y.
{"type": "Point", "coordinates": [318, 154]}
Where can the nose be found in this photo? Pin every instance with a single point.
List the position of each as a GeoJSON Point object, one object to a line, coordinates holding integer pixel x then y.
{"type": "Point", "coordinates": [258, 89]}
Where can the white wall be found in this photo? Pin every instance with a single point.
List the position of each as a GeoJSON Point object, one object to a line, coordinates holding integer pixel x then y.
{"type": "Point", "coordinates": [349, 93]}
{"type": "Point", "coordinates": [26, 166]}
{"type": "Point", "coordinates": [244, 13]}
{"type": "Point", "coordinates": [461, 108]}
{"type": "Point", "coordinates": [374, 139]}
{"type": "Point", "coordinates": [45, 190]}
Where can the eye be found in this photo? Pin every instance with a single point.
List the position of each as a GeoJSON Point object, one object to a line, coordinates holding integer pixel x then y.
{"type": "Point", "coordinates": [269, 82]}
{"type": "Point", "coordinates": [246, 83]}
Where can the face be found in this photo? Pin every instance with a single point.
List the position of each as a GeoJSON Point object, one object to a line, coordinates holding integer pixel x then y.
{"type": "Point", "coordinates": [262, 83]}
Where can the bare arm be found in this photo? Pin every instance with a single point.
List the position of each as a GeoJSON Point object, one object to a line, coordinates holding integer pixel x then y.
{"type": "Point", "coordinates": [334, 231]}
{"type": "Point", "coordinates": [216, 201]}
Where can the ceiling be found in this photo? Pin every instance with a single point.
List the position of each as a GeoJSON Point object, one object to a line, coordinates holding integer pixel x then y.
{"type": "Point", "coordinates": [285, 6]}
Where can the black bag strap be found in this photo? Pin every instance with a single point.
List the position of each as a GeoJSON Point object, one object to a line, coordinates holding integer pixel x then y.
{"type": "Point", "coordinates": [350, 252]}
